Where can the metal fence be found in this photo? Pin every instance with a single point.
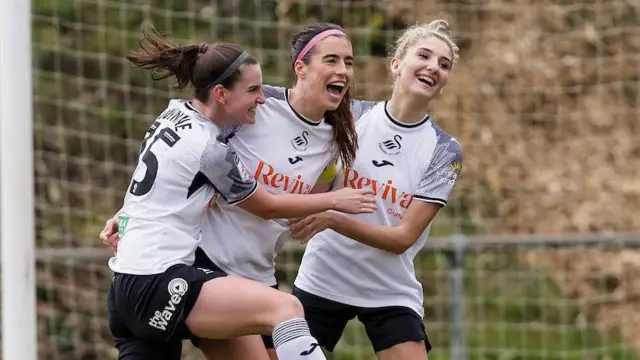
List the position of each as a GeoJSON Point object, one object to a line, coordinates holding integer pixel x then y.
{"type": "Point", "coordinates": [463, 276]}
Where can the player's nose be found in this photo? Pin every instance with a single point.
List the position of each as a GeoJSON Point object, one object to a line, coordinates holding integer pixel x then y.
{"type": "Point", "coordinates": [341, 69]}
{"type": "Point", "coordinates": [432, 67]}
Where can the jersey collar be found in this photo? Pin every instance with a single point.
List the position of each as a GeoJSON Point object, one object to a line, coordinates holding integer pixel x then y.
{"type": "Point", "coordinates": [300, 116]}
{"type": "Point", "coordinates": [199, 115]}
{"type": "Point", "coordinates": [403, 124]}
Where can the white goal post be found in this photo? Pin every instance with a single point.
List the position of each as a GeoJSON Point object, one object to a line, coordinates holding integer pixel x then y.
{"type": "Point", "coordinates": [16, 183]}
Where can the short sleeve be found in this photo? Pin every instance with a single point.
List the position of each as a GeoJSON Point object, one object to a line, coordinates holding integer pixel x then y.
{"type": "Point", "coordinates": [227, 132]}
{"type": "Point", "coordinates": [442, 173]}
{"type": "Point", "coordinates": [360, 107]}
{"type": "Point", "coordinates": [270, 91]}
{"type": "Point", "coordinates": [228, 175]}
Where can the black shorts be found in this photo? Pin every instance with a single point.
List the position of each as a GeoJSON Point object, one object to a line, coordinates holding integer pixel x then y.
{"type": "Point", "coordinates": [203, 261]}
{"type": "Point", "coordinates": [147, 313]}
{"type": "Point", "coordinates": [385, 326]}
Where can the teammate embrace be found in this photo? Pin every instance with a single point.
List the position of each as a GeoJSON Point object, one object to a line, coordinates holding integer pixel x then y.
{"type": "Point", "coordinates": [157, 297]}
{"type": "Point", "coordinates": [171, 246]}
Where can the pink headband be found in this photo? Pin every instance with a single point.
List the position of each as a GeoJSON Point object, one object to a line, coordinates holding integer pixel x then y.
{"type": "Point", "coordinates": [316, 39]}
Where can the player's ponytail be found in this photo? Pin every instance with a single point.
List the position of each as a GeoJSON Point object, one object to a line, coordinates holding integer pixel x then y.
{"type": "Point", "coordinates": [199, 65]}
{"type": "Point", "coordinates": [164, 59]}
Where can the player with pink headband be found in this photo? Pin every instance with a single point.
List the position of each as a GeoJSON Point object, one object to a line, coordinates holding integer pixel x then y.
{"type": "Point", "coordinates": [300, 132]}
{"type": "Point", "coordinates": [316, 39]}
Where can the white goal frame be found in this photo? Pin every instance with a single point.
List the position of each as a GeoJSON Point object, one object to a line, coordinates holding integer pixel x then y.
{"type": "Point", "coordinates": [17, 218]}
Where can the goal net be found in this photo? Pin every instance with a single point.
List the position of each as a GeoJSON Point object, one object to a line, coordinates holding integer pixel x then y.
{"type": "Point", "coordinates": [544, 100]}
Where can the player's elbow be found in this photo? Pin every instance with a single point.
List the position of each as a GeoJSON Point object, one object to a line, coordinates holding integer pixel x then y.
{"type": "Point", "coordinates": [261, 204]}
{"type": "Point", "coordinates": [402, 244]}
{"type": "Point", "coordinates": [399, 248]}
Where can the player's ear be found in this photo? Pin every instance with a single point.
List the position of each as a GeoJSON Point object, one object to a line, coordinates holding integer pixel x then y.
{"type": "Point", "coordinates": [299, 68]}
{"type": "Point", "coordinates": [218, 93]}
{"type": "Point", "coordinates": [395, 65]}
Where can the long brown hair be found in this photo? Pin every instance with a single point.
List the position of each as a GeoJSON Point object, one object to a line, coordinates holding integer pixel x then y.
{"type": "Point", "coordinates": [340, 119]}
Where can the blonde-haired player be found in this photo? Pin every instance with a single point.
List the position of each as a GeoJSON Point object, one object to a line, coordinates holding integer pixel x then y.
{"type": "Point", "coordinates": [363, 265]}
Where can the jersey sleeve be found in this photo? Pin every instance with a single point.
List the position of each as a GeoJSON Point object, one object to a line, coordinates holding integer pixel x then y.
{"type": "Point", "coordinates": [228, 175]}
{"type": "Point", "coordinates": [360, 107]}
{"type": "Point", "coordinates": [271, 91]}
{"type": "Point", "coordinates": [442, 173]}
{"type": "Point", "coordinates": [227, 132]}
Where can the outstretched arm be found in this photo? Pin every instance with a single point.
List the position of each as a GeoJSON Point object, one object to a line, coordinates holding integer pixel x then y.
{"type": "Point", "coordinates": [224, 170]}
{"type": "Point", "coordinates": [268, 206]}
{"type": "Point", "coordinates": [432, 193]}
{"type": "Point", "coordinates": [394, 239]}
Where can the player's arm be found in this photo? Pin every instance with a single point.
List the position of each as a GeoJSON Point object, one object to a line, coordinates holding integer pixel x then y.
{"type": "Point", "coordinates": [235, 184]}
{"type": "Point", "coordinates": [268, 206]}
{"type": "Point", "coordinates": [430, 196]}
{"type": "Point", "coordinates": [395, 239]}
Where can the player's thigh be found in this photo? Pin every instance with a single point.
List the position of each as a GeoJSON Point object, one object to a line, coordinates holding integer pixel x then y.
{"type": "Point", "coordinates": [139, 349]}
{"type": "Point", "coordinates": [326, 318]}
{"type": "Point", "coordinates": [131, 348]}
{"type": "Point", "coordinates": [117, 322]}
{"type": "Point", "coordinates": [202, 260]}
{"type": "Point", "coordinates": [397, 329]}
{"type": "Point", "coordinates": [229, 307]}
{"type": "Point", "coordinates": [241, 348]}
{"type": "Point", "coordinates": [154, 307]}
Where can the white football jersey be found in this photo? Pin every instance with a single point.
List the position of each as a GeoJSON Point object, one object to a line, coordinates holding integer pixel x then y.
{"type": "Point", "coordinates": [180, 167]}
{"type": "Point", "coordinates": [401, 163]}
{"type": "Point", "coordinates": [286, 153]}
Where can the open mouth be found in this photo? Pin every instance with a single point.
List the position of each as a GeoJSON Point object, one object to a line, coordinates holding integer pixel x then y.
{"type": "Point", "coordinates": [336, 88]}
{"type": "Point", "coordinates": [427, 80]}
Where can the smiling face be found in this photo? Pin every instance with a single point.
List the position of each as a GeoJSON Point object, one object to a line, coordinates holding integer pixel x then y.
{"type": "Point", "coordinates": [329, 71]}
{"type": "Point", "coordinates": [241, 100]}
{"type": "Point", "coordinates": [424, 69]}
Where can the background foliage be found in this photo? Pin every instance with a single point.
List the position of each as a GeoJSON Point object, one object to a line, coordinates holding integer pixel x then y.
{"type": "Point", "coordinates": [545, 102]}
